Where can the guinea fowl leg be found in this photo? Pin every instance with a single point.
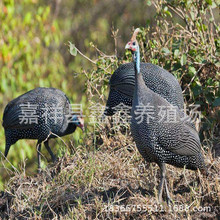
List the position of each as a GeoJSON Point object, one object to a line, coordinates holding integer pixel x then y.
{"type": "Point", "coordinates": [38, 155]}
{"type": "Point", "coordinates": [49, 150]}
{"type": "Point", "coordinates": [162, 180]}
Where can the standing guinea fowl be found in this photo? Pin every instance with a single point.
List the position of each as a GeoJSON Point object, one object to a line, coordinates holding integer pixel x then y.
{"type": "Point", "coordinates": [161, 139]}
{"type": "Point", "coordinates": [41, 114]}
{"type": "Point", "coordinates": [157, 79]}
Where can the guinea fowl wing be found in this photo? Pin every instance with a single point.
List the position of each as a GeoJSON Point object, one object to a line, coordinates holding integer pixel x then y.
{"type": "Point", "coordinates": [176, 136]}
{"type": "Point", "coordinates": [12, 120]}
{"type": "Point", "coordinates": [48, 105]}
{"type": "Point", "coordinates": [179, 139]}
{"type": "Point", "coordinates": [13, 112]}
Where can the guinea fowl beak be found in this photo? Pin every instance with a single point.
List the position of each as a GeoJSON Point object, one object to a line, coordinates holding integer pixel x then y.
{"type": "Point", "coordinates": [81, 126]}
{"type": "Point", "coordinates": [128, 46]}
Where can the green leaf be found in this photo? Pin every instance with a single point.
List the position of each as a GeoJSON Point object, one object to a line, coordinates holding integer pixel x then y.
{"type": "Point", "coordinates": [192, 15]}
{"type": "Point", "coordinates": [209, 82]}
{"type": "Point", "coordinates": [192, 71]}
{"type": "Point", "coordinates": [209, 2]}
{"type": "Point", "coordinates": [216, 102]}
{"type": "Point", "coordinates": [47, 40]}
{"type": "Point", "coordinates": [183, 60]}
{"type": "Point", "coordinates": [197, 90]}
{"type": "Point", "coordinates": [209, 97]}
{"type": "Point", "coordinates": [168, 13]}
{"type": "Point", "coordinates": [149, 3]}
{"type": "Point", "coordinates": [165, 51]}
{"type": "Point", "coordinates": [4, 85]}
{"type": "Point", "coordinates": [27, 18]}
{"type": "Point", "coordinates": [176, 53]}
{"type": "Point", "coordinates": [193, 40]}
{"type": "Point", "coordinates": [154, 61]}
{"type": "Point", "coordinates": [72, 49]}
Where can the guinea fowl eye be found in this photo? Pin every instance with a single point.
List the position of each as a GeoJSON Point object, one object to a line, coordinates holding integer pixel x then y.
{"type": "Point", "coordinates": [134, 43]}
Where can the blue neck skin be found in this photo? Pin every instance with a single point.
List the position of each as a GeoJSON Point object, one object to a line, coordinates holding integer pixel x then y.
{"type": "Point", "coordinates": [136, 57]}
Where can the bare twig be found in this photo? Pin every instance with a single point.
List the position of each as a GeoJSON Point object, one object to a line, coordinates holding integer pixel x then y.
{"type": "Point", "coordinates": [115, 36]}
{"type": "Point", "coordinates": [94, 62]}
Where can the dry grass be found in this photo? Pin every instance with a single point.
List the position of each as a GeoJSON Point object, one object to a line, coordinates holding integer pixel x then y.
{"type": "Point", "coordinates": [108, 179]}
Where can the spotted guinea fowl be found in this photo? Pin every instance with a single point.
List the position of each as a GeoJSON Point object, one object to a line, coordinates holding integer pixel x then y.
{"type": "Point", "coordinates": [41, 114]}
{"type": "Point", "coordinates": [159, 137]}
{"type": "Point", "coordinates": [160, 81]}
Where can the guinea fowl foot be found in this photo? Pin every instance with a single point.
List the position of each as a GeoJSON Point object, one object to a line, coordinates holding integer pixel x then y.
{"type": "Point", "coordinates": [39, 170]}
{"type": "Point", "coordinates": [169, 200]}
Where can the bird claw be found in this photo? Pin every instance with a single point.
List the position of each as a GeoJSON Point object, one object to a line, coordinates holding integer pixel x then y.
{"type": "Point", "coordinates": [169, 201]}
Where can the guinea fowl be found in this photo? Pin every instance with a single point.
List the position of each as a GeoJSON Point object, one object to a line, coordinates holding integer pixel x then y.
{"type": "Point", "coordinates": [157, 79]}
{"type": "Point", "coordinates": [41, 114]}
{"type": "Point", "coordinates": [161, 139]}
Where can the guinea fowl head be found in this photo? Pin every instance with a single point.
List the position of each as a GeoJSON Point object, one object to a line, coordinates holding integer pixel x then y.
{"type": "Point", "coordinates": [134, 47]}
{"type": "Point", "coordinates": [133, 44]}
{"type": "Point", "coordinates": [78, 121]}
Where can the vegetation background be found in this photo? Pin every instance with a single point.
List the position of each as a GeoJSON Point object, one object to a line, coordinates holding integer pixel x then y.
{"type": "Point", "coordinates": [181, 36]}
